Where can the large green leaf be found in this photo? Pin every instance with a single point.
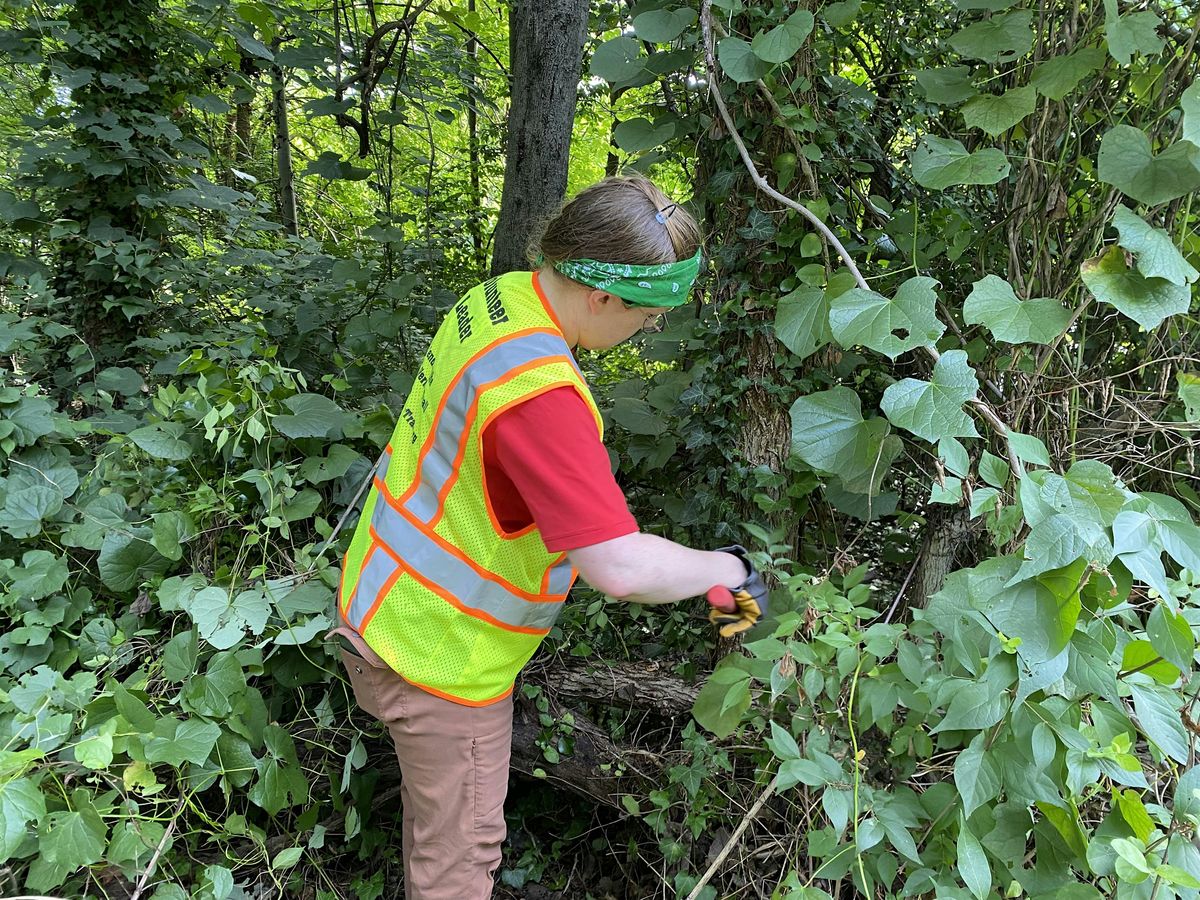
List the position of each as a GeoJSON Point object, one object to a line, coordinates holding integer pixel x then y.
{"type": "Point", "coordinates": [636, 417]}
{"type": "Point", "coordinates": [1190, 104]}
{"type": "Point", "coordinates": [313, 416]}
{"type": "Point", "coordinates": [330, 166]}
{"type": "Point", "coordinates": [992, 302]}
{"type": "Point", "coordinates": [21, 803]}
{"type": "Point", "coordinates": [1038, 611]}
{"type": "Point", "coordinates": [1157, 255]}
{"type": "Point", "coordinates": [939, 163]}
{"type": "Point", "coordinates": [830, 434]}
{"type": "Point", "coordinates": [995, 114]}
{"type": "Point", "coordinates": [1145, 300]}
{"type": "Point", "coordinates": [223, 619]}
{"type": "Point", "coordinates": [802, 320]}
{"type": "Point", "coordinates": [998, 39]}
{"type": "Point", "coordinates": [1059, 75]}
{"type": "Point", "coordinates": [934, 409]}
{"type": "Point", "coordinates": [640, 134]}
{"type": "Point", "coordinates": [617, 60]}
{"type": "Point", "coordinates": [972, 862]}
{"type": "Point", "coordinates": [974, 706]}
{"type": "Point", "coordinates": [947, 86]}
{"type": "Point", "coordinates": [128, 557]}
{"type": "Point", "coordinates": [976, 775]}
{"type": "Point", "coordinates": [1128, 162]}
{"type": "Point", "coordinates": [739, 61]}
{"type": "Point", "coordinates": [1135, 32]}
{"type": "Point", "coordinates": [163, 441]}
{"type": "Point", "coordinates": [781, 43]}
{"type": "Point", "coordinates": [660, 26]}
{"type": "Point", "coordinates": [1157, 710]}
{"type": "Point", "coordinates": [40, 574]}
{"type": "Point", "coordinates": [1171, 635]}
{"type": "Point", "coordinates": [1188, 389]}
{"type": "Point", "coordinates": [73, 838]}
{"type": "Point", "coordinates": [175, 742]}
{"type": "Point", "coordinates": [888, 326]}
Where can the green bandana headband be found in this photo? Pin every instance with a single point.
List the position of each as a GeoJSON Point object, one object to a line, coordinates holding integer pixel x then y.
{"type": "Point", "coordinates": [667, 284]}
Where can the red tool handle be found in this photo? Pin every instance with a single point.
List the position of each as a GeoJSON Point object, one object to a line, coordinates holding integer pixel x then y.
{"type": "Point", "coordinates": [721, 598]}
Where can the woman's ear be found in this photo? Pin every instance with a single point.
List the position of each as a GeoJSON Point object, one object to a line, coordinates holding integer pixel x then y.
{"type": "Point", "coordinates": [598, 301]}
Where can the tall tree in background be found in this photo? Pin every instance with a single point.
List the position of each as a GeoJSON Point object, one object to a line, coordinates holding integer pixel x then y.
{"type": "Point", "coordinates": [546, 49]}
{"type": "Point", "coordinates": [109, 151]}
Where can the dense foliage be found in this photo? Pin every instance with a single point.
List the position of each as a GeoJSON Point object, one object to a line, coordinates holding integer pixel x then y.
{"type": "Point", "coordinates": [965, 451]}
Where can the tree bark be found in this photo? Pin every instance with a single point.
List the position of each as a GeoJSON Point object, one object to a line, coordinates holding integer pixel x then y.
{"type": "Point", "coordinates": [283, 153]}
{"type": "Point", "coordinates": [645, 685]}
{"type": "Point", "coordinates": [546, 42]}
{"type": "Point", "coordinates": [947, 538]}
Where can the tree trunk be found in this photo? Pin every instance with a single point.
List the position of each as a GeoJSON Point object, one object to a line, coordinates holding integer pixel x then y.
{"type": "Point", "coordinates": [947, 538]}
{"type": "Point", "coordinates": [283, 153]}
{"type": "Point", "coordinates": [241, 128]}
{"type": "Point", "coordinates": [546, 41]}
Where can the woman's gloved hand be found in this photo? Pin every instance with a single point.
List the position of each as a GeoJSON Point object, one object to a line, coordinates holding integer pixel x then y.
{"type": "Point", "coordinates": [736, 609]}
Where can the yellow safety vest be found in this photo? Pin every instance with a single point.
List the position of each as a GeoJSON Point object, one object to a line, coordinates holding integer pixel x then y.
{"type": "Point", "coordinates": [431, 581]}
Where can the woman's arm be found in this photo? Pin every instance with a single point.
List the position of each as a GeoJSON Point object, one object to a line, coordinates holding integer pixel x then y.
{"type": "Point", "coordinates": [644, 568]}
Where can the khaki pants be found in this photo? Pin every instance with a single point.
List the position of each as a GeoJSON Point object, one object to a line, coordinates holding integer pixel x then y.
{"type": "Point", "coordinates": [454, 776]}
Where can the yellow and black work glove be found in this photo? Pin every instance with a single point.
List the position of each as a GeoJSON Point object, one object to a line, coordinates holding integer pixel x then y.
{"type": "Point", "coordinates": [736, 609]}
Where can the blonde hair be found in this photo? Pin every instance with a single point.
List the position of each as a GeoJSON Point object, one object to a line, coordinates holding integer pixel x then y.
{"type": "Point", "coordinates": [614, 220]}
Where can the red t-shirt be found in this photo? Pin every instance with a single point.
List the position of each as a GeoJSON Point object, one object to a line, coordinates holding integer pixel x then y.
{"type": "Point", "coordinates": [544, 465]}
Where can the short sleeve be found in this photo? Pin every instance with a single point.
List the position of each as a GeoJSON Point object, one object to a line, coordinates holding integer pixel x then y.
{"type": "Point", "coordinates": [549, 452]}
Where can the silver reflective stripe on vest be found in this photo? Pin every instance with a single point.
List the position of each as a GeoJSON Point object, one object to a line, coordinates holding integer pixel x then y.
{"type": "Point", "coordinates": [435, 466]}
{"type": "Point", "coordinates": [562, 574]}
{"type": "Point", "coordinates": [425, 557]}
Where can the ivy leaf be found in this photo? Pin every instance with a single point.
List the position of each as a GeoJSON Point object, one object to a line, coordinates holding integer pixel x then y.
{"type": "Point", "coordinates": [1190, 104]}
{"type": "Point", "coordinates": [802, 320]}
{"type": "Point", "coordinates": [1157, 710]}
{"type": "Point", "coordinates": [830, 434]}
{"type": "Point", "coordinates": [934, 409]}
{"type": "Point", "coordinates": [947, 86]}
{"type": "Point", "coordinates": [1148, 301]}
{"type": "Point", "coordinates": [722, 700]}
{"type": "Point", "coordinates": [162, 441]}
{"type": "Point", "coordinates": [222, 619]}
{"type": "Point", "coordinates": [1171, 635]}
{"type": "Point", "coordinates": [739, 61]}
{"type": "Point", "coordinates": [1157, 255]}
{"type": "Point", "coordinates": [1131, 33]}
{"type": "Point", "coordinates": [280, 783]}
{"type": "Point", "coordinates": [660, 26]}
{"type": "Point", "coordinates": [1059, 75]}
{"type": "Point", "coordinates": [992, 302]}
{"type": "Point", "coordinates": [996, 114]}
{"type": "Point", "coordinates": [1127, 162]}
{"type": "Point", "coordinates": [972, 862]}
{"type": "Point", "coordinates": [1038, 611]}
{"type": "Point", "coordinates": [999, 39]}
{"type": "Point", "coordinates": [888, 326]}
{"type": "Point", "coordinates": [781, 43]}
{"type": "Point", "coordinates": [939, 163]}
{"type": "Point", "coordinates": [619, 59]}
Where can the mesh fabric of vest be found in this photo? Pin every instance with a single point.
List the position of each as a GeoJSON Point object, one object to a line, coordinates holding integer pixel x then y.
{"type": "Point", "coordinates": [414, 623]}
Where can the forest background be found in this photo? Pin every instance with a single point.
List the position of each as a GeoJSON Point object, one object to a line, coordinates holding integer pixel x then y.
{"type": "Point", "coordinates": [958, 429]}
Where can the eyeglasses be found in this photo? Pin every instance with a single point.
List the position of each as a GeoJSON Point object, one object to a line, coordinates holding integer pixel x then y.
{"type": "Point", "coordinates": [654, 324]}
